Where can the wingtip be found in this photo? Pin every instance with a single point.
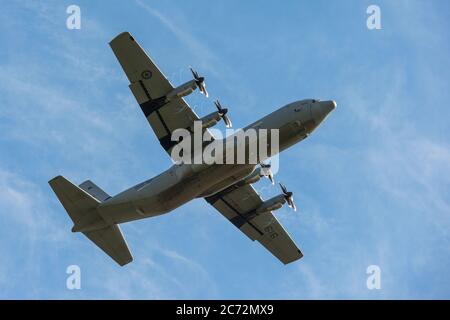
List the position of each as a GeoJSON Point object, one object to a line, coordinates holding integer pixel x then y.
{"type": "Point", "coordinates": [120, 36]}
{"type": "Point", "coordinates": [122, 264]}
{"type": "Point", "coordinates": [54, 179]}
{"type": "Point", "coordinates": [293, 259]}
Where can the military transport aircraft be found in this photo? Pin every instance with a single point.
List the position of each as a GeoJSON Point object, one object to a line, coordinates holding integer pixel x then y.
{"type": "Point", "coordinates": [227, 187]}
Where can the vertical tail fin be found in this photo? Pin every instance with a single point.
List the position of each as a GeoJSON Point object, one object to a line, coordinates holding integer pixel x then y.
{"type": "Point", "coordinates": [81, 204]}
{"type": "Point", "coordinates": [94, 190]}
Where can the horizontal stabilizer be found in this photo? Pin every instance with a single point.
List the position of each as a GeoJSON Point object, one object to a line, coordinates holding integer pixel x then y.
{"type": "Point", "coordinates": [112, 242]}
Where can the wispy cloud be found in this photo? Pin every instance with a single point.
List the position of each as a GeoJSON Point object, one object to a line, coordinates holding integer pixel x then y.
{"type": "Point", "coordinates": [210, 63]}
{"type": "Point", "coordinates": [197, 47]}
{"type": "Point", "coordinates": [29, 223]}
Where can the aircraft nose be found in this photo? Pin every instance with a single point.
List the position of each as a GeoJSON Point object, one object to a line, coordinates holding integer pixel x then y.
{"type": "Point", "coordinates": [322, 109]}
{"type": "Point", "coordinates": [328, 106]}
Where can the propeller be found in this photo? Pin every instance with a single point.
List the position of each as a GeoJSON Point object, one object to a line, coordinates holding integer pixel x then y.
{"type": "Point", "coordinates": [289, 197]}
{"type": "Point", "coordinates": [267, 172]}
{"type": "Point", "coordinates": [200, 82]}
{"type": "Point", "coordinates": [223, 114]}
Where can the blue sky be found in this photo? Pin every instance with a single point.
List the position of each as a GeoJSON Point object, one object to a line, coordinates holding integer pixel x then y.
{"type": "Point", "coordinates": [372, 183]}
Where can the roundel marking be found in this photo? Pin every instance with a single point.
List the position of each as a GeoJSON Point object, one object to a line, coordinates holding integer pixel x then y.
{"type": "Point", "coordinates": [146, 74]}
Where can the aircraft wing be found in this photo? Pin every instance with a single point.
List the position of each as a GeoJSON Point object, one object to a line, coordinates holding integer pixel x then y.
{"type": "Point", "coordinates": [237, 203]}
{"type": "Point", "coordinates": [149, 87]}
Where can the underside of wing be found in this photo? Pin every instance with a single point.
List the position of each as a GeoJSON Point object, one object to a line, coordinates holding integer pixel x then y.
{"type": "Point", "coordinates": [150, 88]}
{"type": "Point", "coordinates": [237, 205]}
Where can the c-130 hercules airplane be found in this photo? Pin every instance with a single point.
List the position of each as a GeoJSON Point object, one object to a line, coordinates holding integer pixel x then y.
{"type": "Point", "coordinates": [227, 187]}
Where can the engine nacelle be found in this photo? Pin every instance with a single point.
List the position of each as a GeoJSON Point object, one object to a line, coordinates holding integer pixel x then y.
{"type": "Point", "coordinates": [274, 203]}
{"type": "Point", "coordinates": [183, 90]}
{"type": "Point", "coordinates": [210, 120]}
{"type": "Point", "coordinates": [255, 176]}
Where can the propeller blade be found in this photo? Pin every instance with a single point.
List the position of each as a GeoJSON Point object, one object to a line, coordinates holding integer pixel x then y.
{"type": "Point", "coordinates": [202, 88]}
{"type": "Point", "coordinates": [218, 105]}
{"type": "Point", "coordinates": [270, 176]}
{"type": "Point", "coordinates": [291, 203]}
{"type": "Point", "coordinates": [283, 188]}
{"type": "Point", "coordinates": [267, 172]}
{"type": "Point", "coordinates": [289, 197]}
{"type": "Point", "coordinates": [222, 112]}
{"type": "Point", "coordinates": [194, 74]}
{"type": "Point", "coordinates": [227, 121]}
{"type": "Point", "coordinates": [200, 81]}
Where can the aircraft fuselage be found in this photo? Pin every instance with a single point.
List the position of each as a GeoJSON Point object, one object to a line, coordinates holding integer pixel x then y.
{"type": "Point", "coordinates": [184, 182]}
